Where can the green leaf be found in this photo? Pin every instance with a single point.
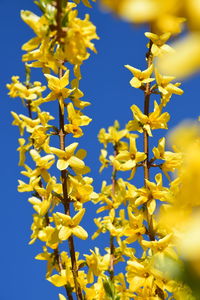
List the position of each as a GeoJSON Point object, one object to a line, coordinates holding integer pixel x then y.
{"type": "Point", "coordinates": [109, 289]}
{"type": "Point", "coordinates": [65, 20]}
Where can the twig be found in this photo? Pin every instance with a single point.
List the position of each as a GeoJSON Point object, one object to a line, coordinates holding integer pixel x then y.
{"type": "Point", "coordinates": [66, 199]}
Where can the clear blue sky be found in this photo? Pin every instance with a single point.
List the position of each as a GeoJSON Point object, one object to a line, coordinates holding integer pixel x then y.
{"type": "Point", "coordinates": [106, 85]}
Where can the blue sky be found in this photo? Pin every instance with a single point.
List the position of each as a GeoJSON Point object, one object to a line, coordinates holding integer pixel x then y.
{"type": "Point", "coordinates": [106, 84]}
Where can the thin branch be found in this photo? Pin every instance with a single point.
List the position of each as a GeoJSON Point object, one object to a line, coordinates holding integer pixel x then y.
{"type": "Point", "coordinates": [149, 163]}
{"type": "Point", "coordinates": [56, 251]}
{"type": "Point", "coordinates": [64, 175]}
{"type": "Point", "coordinates": [147, 94]}
{"type": "Point", "coordinates": [59, 262]}
{"type": "Point", "coordinates": [112, 246]}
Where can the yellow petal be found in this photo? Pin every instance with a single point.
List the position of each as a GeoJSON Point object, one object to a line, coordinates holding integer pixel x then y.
{"type": "Point", "coordinates": [62, 164]}
{"type": "Point", "coordinates": [80, 232]}
{"type": "Point", "coordinates": [81, 154]}
{"type": "Point", "coordinates": [76, 163]}
{"type": "Point", "coordinates": [135, 82]}
{"type": "Point", "coordinates": [147, 73]}
{"type": "Point", "coordinates": [70, 149]}
{"type": "Point", "coordinates": [128, 165]}
{"type": "Point", "coordinates": [58, 152]}
{"type": "Point", "coordinates": [78, 217]}
{"type": "Point", "coordinates": [134, 71]}
{"type": "Point", "coordinates": [151, 206]}
{"type": "Point", "coordinates": [61, 297]}
{"type": "Point", "coordinates": [64, 233]}
{"type": "Point", "coordinates": [57, 280]}
{"type": "Point", "coordinates": [53, 82]}
{"type": "Point", "coordinates": [64, 81]}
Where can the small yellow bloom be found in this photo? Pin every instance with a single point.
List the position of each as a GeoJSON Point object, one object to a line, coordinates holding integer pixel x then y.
{"type": "Point", "coordinates": [67, 225]}
{"type": "Point", "coordinates": [22, 150]}
{"type": "Point", "coordinates": [67, 158]}
{"type": "Point", "coordinates": [58, 88]}
{"type": "Point", "coordinates": [76, 119]}
{"type": "Point", "coordinates": [104, 161]}
{"type": "Point", "coordinates": [18, 122]}
{"type": "Point", "coordinates": [128, 159]}
{"type": "Point", "coordinates": [155, 120]}
{"type": "Point", "coordinates": [165, 86]}
{"type": "Point", "coordinates": [97, 264]}
{"type": "Point", "coordinates": [159, 47]}
{"type": "Point", "coordinates": [140, 77]}
{"type": "Point", "coordinates": [42, 163]}
{"type": "Point", "coordinates": [172, 160]}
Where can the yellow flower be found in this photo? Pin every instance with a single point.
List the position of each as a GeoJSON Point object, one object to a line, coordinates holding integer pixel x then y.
{"type": "Point", "coordinates": [39, 136]}
{"type": "Point", "coordinates": [164, 85]}
{"type": "Point", "coordinates": [104, 161]}
{"type": "Point", "coordinates": [163, 16]}
{"type": "Point", "coordinates": [162, 247]}
{"type": "Point", "coordinates": [103, 137]}
{"type": "Point", "coordinates": [22, 150]}
{"type": "Point", "coordinates": [18, 122]}
{"type": "Point", "coordinates": [128, 159]}
{"type": "Point", "coordinates": [78, 39]}
{"type": "Point", "coordinates": [135, 228]}
{"type": "Point", "coordinates": [97, 264]}
{"type": "Point", "coordinates": [23, 187]}
{"type": "Point", "coordinates": [172, 160]}
{"type": "Point", "coordinates": [43, 57]}
{"type": "Point", "coordinates": [80, 189]}
{"type": "Point", "coordinates": [76, 95]}
{"type": "Point", "coordinates": [96, 291]}
{"type": "Point", "coordinates": [140, 77]}
{"type": "Point", "coordinates": [114, 136]}
{"type": "Point", "coordinates": [44, 232]}
{"type": "Point", "coordinates": [61, 297]}
{"type": "Point", "coordinates": [58, 88]}
{"type": "Point", "coordinates": [18, 89]}
{"type": "Point", "coordinates": [185, 60]}
{"type": "Point", "coordinates": [29, 123]}
{"type": "Point", "coordinates": [52, 264]}
{"type": "Point", "coordinates": [159, 47]}
{"type": "Point", "coordinates": [142, 275]}
{"type": "Point", "coordinates": [41, 207]}
{"type": "Point", "coordinates": [67, 225]}
{"type": "Point", "coordinates": [153, 192]}
{"type": "Point", "coordinates": [38, 24]}
{"type": "Point", "coordinates": [67, 158]}
{"type": "Point", "coordinates": [42, 163]}
{"type": "Point", "coordinates": [63, 279]}
{"type": "Point", "coordinates": [155, 120]}
{"type": "Point", "coordinates": [76, 119]}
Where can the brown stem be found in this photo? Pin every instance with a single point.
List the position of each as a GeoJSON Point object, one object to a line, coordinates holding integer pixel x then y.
{"type": "Point", "coordinates": [56, 251]}
{"type": "Point", "coordinates": [112, 246]}
{"type": "Point", "coordinates": [59, 262]}
{"type": "Point", "coordinates": [147, 94]}
{"type": "Point", "coordinates": [66, 203]}
{"type": "Point", "coordinates": [112, 257]}
{"type": "Point", "coordinates": [28, 102]}
{"type": "Point", "coordinates": [64, 175]}
{"type": "Point", "coordinates": [147, 164]}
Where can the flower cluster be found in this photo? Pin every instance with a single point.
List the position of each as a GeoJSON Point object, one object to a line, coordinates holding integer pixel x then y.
{"type": "Point", "coordinates": [61, 43]}
{"type": "Point", "coordinates": [137, 239]}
